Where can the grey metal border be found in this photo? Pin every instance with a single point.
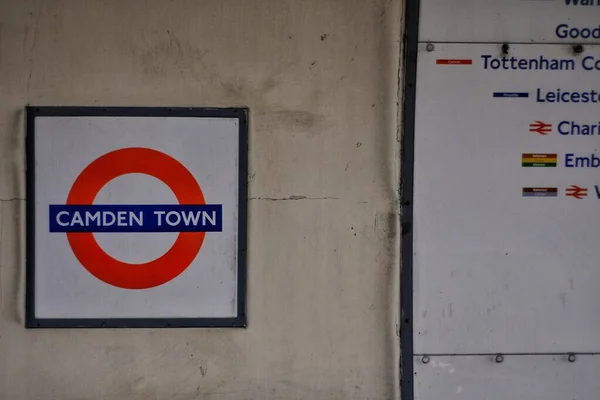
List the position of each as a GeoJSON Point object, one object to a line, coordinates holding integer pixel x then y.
{"type": "Point", "coordinates": [411, 43]}
{"type": "Point", "coordinates": [240, 321]}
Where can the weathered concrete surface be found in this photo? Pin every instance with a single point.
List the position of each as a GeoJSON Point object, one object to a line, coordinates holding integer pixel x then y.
{"type": "Point", "coordinates": [320, 79]}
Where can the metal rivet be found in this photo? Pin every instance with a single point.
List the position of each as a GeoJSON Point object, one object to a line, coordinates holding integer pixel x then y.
{"type": "Point", "coordinates": [572, 357]}
{"type": "Point", "coordinates": [578, 49]}
{"type": "Point", "coordinates": [499, 358]}
{"type": "Point", "coordinates": [425, 359]}
{"type": "Point", "coordinates": [430, 47]}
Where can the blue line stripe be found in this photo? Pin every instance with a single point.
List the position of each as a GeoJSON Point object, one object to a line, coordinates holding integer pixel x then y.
{"type": "Point", "coordinates": [511, 94]}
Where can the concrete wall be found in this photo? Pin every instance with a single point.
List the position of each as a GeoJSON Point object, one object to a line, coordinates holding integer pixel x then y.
{"type": "Point", "coordinates": [320, 79]}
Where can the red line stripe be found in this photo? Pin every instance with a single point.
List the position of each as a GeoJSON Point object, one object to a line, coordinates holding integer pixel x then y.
{"type": "Point", "coordinates": [454, 62]}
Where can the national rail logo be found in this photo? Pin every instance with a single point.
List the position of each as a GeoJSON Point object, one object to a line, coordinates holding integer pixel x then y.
{"type": "Point", "coordinates": [80, 218]}
{"type": "Point", "coordinates": [576, 192]}
{"type": "Point", "coordinates": [540, 127]}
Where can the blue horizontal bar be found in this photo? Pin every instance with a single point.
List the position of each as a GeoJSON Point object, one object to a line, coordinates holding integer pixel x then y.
{"type": "Point", "coordinates": [511, 94]}
{"type": "Point", "coordinates": [136, 218]}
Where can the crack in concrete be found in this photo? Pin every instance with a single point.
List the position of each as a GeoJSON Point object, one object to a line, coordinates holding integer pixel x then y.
{"type": "Point", "coordinates": [32, 49]}
{"type": "Point", "coordinates": [12, 199]}
{"type": "Point", "coordinates": [294, 197]}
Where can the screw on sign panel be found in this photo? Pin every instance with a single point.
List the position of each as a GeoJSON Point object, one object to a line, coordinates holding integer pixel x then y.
{"type": "Point", "coordinates": [80, 218]}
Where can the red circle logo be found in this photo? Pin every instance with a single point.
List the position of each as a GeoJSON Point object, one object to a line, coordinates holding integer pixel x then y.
{"type": "Point", "coordinates": [129, 161]}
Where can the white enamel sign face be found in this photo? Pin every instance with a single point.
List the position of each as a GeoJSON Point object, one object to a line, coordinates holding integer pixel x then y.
{"type": "Point", "coordinates": [136, 218]}
{"type": "Point", "coordinates": [505, 193]}
{"type": "Point", "coordinates": [524, 21]}
{"type": "Point", "coordinates": [507, 190]}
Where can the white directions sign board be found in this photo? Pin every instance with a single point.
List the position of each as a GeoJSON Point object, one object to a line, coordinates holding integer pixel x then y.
{"type": "Point", "coordinates": [501, 200]}
{"type": "Point", "coordinates": [506, 200]}
{"type": "Point", "coordinates": [524, 21]}
{"type": "Point", "coordinates": [136, 217]}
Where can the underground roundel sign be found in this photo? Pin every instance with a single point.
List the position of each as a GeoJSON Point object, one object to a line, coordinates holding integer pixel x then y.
{"type": "Point", "coordinates": [136, 217]}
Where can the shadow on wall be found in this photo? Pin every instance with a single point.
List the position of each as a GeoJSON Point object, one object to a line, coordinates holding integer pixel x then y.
{"type": "Point", "coordinates": [12, 216]}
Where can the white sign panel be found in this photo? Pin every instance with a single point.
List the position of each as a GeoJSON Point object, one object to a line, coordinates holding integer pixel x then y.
{"type": "Point", "coordinates": [136, 217]}
{"type": "Point", "coordinates": [524, 21]}
{"type": "Point", "coordinates": [531, 377]}
{"type": "Point", "coordinates": [506, 197]}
